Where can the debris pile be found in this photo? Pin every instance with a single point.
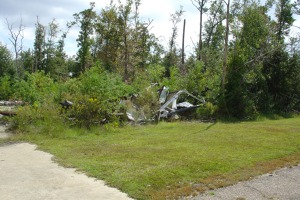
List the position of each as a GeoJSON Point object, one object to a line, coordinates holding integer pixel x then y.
{"type": "Point", "coordinates": [141, 109]}
{"type": "Point", "coordinates": [170, 106]}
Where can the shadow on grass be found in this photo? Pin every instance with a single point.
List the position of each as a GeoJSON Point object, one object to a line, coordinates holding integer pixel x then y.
{"type": "Point", "coordinates": [207, 128]}
{"type": "Point", "coordinates": [211, 125]}
{"type": "Point", "coordinates": [260, 117]}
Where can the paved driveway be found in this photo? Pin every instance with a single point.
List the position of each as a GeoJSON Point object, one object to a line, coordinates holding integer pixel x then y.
{"type": "Point", "coordinates": [29, 174]}
{"type": "Point", "coordinates": [283, 184]}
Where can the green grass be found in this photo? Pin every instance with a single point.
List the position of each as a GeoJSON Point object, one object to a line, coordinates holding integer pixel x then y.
{"type": "Point", "coordinates": [175, 159]}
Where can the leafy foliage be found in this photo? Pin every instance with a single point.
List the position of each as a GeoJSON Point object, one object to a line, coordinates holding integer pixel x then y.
{"type": "Point", "coordinates": [88, 112]}
{"type": "Point", "coordinates": [96, 95]}
{"type": "Point", "coordinates": [254, 73]}
{"type": "Point", "coordinates": [5, 87]}
{"type": "Point", "coordinates": [6, 62]}
{"type": "Point", "coordinates": [208, 111]}
{"type": "Point", "coordinates": [43, 118]}
{"type": "Point", "coordinates": [86, 20]}
{"type": "Point", "coordinates": [36, 88]}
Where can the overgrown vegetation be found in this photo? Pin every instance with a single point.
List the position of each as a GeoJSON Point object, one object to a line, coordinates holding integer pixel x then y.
{"type": "Point", "coordinates": [257, 73]}
{"type": "Point", "coordinates": [245, 68]}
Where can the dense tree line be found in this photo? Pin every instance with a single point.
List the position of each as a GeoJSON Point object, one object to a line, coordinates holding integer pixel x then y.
{"type": "Point", "coordinates": [245, 62]}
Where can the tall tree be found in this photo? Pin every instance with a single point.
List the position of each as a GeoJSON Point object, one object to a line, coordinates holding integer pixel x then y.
{"type": "Point", "coordinates": [224, 73]}
{"type": "Point", "coordinates": [175, 19]}
{"type": "Point", "coordinates": [86, 20]}
{"type": "Point", "coordinates": [39, 46]}
{"type": "Point", "coordinates": [144, 41]}
{"type": "Point", "coordinates": [245, 86]}
{"type": "Point", "coordinates": [276, 67]}
{"type": "Point", "coordinates": [200, 5]}
{"type": "Point", "coordinates": [284, 15]}
{"type": "Point", "coordinates": [213, 27]}
{"type": "Point", "coordinates": [123, 42]}
{"type": "Point", "coordinates": [27, 58]}
{"type": "Point", "coordinates": [213, 40]}
{"type": "Point", "coordinates": [50, 47]}
{"type": "Point", "coordinates": [6, 62]}
{"type": "Point", "coordinates": [125, 18]}
{"type": "Point", "coordinates": [108, 37]}
{"type": "Point", "coordinates": [172, 58]}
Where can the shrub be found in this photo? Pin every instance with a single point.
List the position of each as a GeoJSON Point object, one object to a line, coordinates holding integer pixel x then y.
{"type": "Point", "coordinates": [35, 88]}
{"type": "Point", "coordinates": [156, 73]}
{"type": "Point", "coordinates": [147, 102]}
{"type": "Point", "coordinates": [207, 111]}
{"type": "Point", "coordinates": [175, 81]}
{"type": "Point", "coordinates": [88, 111]}
{"type": "Point", "coordinates": [98, 83]}
{"type": "Point", "coordinates": [44, 118]}
{"type": "Point", "coordinates": [96, 95]}
{"type": "Point", "coordinates": [5, 88]}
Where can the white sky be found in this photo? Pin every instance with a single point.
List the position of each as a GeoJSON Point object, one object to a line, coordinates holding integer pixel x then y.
{"type": "Point", "coordinates": [62, 10]}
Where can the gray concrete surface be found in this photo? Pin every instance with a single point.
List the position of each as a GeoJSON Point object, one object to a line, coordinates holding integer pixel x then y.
{"type": "Point", "coordinates": [29, 174]}
{"type": "Point", "coordinates": [283, 184]}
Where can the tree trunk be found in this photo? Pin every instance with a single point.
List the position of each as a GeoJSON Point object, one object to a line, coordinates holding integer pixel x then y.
{"type": "Point", "coordinates": [200, 34]}
{"type": "Point", "coordinates": [225, 48]}
{"type": "Point", "coordinates": [183, 37]}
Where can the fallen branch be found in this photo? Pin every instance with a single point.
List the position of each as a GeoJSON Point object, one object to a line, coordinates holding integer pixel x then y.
{"type": "Point", "coordinates": [11, 103]}
{"type": "Point", "coordinates": [8, 113]}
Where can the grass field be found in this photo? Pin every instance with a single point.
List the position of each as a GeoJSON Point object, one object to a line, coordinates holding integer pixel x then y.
{"type": "Point", "coordinates": [170, 160]}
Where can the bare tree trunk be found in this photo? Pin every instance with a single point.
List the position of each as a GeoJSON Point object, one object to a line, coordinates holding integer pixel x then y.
{"type": "Point", "coordinates": [16, 38]}
{"type": "Point", "coordinates": [200, 34]}
{"type": "Point", "coordinates": [126, 58]}
{"type": "Point", "coordinates": [183, 38]}
{"type": "Point", "coordinates": [225, 48]}
{"type": "Point", "coordinates": [182, 67]}
{"type": "Point", "coordinates": [199, 4]}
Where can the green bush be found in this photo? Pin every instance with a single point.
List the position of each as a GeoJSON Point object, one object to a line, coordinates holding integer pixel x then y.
{"type": "Point", "coordinates": [147, 101]}
{"type": "Point", "coordinates": [88, 111]}
{"type": "Point", "coordinates": [96, 96]}
{"type": "Point", "coordinates": [42, 113]}
{"type": "Point", "coordinates": [5, 88]}
{"type": "Point", "coordinates": [175, 81]}
{"type": "Point", "coordinates": [44, 118]}
{"type": "Point", "coordinates": [195, 80]}
{"type": "Point", "coordinates": [69, 89]}
{"type": "Point", "coordinates": [6, 62]}
{"type": "Point", "coordinates": [156, 73]}
{"type": "Point", "coordinates": [98, 83]}
{"type": "Point", "coordinates": [207, 111]}
{"type": "Point", "coordinates": [35, 88]}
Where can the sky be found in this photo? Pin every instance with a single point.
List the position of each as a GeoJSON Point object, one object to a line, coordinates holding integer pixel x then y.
{"type": "Point", "coordinates": [62, 11]}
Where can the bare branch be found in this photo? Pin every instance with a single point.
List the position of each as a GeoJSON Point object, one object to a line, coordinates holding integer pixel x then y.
{"type": "Point", "coordinates": [196, 6]}
{"type": "Point", "coordinates": [16, 38]}
{"type": "Point", "coordinates": [225, 2]}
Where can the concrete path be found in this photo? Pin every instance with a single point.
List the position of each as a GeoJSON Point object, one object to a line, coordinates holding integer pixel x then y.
{"type": "Point", "coordinates": [283, 184]}
{"type": "Point", "coordinates": [29, 174]}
